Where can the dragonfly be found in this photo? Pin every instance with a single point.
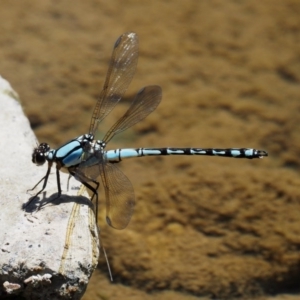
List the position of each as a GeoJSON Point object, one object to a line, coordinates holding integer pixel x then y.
{"type": "Point", "coordinates": [86, 158]}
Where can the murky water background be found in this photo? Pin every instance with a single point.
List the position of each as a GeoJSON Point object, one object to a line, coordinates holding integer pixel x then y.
{"type": "Point", "coordinates": [230, 73]}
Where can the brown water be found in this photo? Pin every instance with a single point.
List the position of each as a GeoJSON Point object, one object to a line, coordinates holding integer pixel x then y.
{"type": "Point", "coordinates": [230, 73]}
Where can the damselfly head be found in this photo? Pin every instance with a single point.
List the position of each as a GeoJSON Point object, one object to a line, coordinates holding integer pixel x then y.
{"type": "Point", "coordinates": [40, 153]}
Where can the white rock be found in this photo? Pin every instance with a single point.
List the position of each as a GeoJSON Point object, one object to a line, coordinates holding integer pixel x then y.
{"type": "Point", "coordinates": [44, 254]}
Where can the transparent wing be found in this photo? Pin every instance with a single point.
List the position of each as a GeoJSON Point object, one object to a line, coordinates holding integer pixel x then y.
{"type": "Point", "coordinates": [119, 196]}
{"type": "Point", "coordinates": [145, 102]}
{"type": "Point", "coordinates": [121, 69]}
{"type": "Point", "coordinates": [118, 189]}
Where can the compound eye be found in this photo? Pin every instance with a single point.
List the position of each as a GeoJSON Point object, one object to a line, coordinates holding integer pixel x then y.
{"type": "Point", "coordinates": [38, 158]}
{"type": "Point", "coordinates": [39, 154]}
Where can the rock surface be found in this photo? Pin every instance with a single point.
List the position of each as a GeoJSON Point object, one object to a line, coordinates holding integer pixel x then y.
{"type": "Point", "coordinates": [44, 254]}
